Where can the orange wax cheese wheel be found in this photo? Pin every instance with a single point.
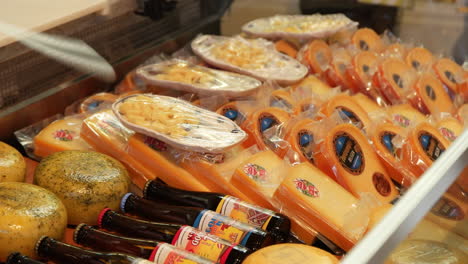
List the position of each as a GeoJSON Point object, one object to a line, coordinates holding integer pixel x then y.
{"type": "Point", "coordinates": [94, 102]}
{"type": "Point", "coordinates": [312, 85]}
{"type": "Point", "coordinates": [434, 99]}
{"type": "Point", "coordinates": [12, 164]}
{"type": "Point", "coordinates": [106, 134]}
{"type": "Point", "coordinates": [286, 48]}
{"type": "Point", "coordinates": [58, 136]}
{"type": "Point", "coordinates": [423, 146]}
{"type": "Point", "coordinates": [394, 78]}
{"type": "Point", "coordinates": [282, 100]}
{"type": "Point", "coordinates": [377, 214]}
{"type": "Point", "coordinates": [318, 56]}
{"type": "Point", "coordinates": [291, 254]}
{"type": "Point", "coordinates": [260, 121]}
{"type": "Point", "coordinates": [28, 212]}
{"type": "Point", "coordinates": [389, 155]}
{"type": "Point", "coordinates": [450, 73]}
{"type": "Point", "coordinates": [346, 152]}
{"type": "Point", "coordinates": [259, 176]}
{"type": "Point", "coordinates": [450, 128]}
{"type": "Point", "coordinates": [308, 194]}
{"type": "Point", "coordinates": [451, 213]}
{"type": "Point", "coordinates": [366, 39]}
{"type": "Point", "coordinates": [405, 115]}
{"type": "Point", "coordinates": [363, 67]}
{"type": "Point", "coordinates": [419, 58]}
{"type": "Point", "coordinates": [153, 155]}
{"type": "Point", "coordinates": [301, 138]}
{"type": "Point", "coordinates": [366, 103]}
{"type": "Point", "coordinates": [348, 109]}
{"type": "Point", "coordinates": [85, 181]}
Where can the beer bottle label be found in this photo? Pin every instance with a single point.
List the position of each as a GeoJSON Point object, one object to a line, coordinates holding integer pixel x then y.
{"type": "Point", "coordinates": [168, 254]}
{"type": "Point", "coordinates": [245, 212]}
{"type": "Point", "coordinates": [197, 242]}
{"type": "Point", "coordinates": [223, 227]}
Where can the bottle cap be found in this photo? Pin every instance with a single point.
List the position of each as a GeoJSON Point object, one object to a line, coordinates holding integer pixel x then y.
{"type": "Point", "coordinates": [38, 244]}
{"type": "Point", "coordinates": [76, 234]}
{"type": "Point", "coordinates": [12, 257]}
{"type": "Point", "coordinates": [124, 201]}
{"type": "Point", "coordinates": [145, 189]}
{"type": "Point", "coordinates": [101, 216]}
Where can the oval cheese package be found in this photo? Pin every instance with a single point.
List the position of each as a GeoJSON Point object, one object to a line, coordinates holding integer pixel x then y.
{"type": "Point", "coordinates": [282, 99]}
{"type": "Point", "coordinates": [363, 67]}
{"type": "Point", "coordinates": [301, 137]}
{"type": "Point", "coordinates": [366, 39]}
{"type": "Point", "coordinates": [254, 57]}
{"type": "Point", "coordinates": [431, 97]}
{"type": "Point", "coordinates": [348, 109]}
{"type": "Point", "coordinates": [419, 58]}
{"type": "Point", "coordinates": [291, 254]}
{"type": "Point", "coordinates": [450, 213]}
{"type": "Point", "coordinates": [178, 123]}
{"type": "Point", "coordinates": [317, 55]}
{"type": "Point", "coordinates": [184, 76]}
{"type": "Point", "coordinates": [299, 27]}
{"type": "Point", "coordinates": [237, 111]}
{"type": "Point", "coordinates": [312, 85]}
{"type": "Point", "coordinates": [346, 155]}
{"type": "Point", "coordinates": [394, 79]}
{"type": "Point", "coordinates": [96, 102]}
{"type": "Point", "coordinates": [12, 164]}
{"type": "Point", "coordinates": [335, 75]}
{"type": "Point", "coordinates": [366, 103]}
{"type": "Point", "coordinates": [450, 74]}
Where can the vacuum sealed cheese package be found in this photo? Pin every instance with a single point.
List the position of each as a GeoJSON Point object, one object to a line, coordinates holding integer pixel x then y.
{"type": "Point", "coordinates": [366, 39]}
{"type": "Point", "coordinates": [362, 68]}
{"type": "Point", "coordinates": [450, 74]}
{"type": "Point", "coordinates": [286, 47]}
{"type": "Point", "coordinates": [348, 109]}
{"type": "Point", "coordinates": [335, 75]}
{"type": "Point", "coordinates": [419, 58]}
{"type": "Point", "coordinates": [317, 56]}
{"type": "Point", "coordinates": [405, 115]}
{"type": "Point", "coordinates": [312, 85]}
{"type": "Point", "coordinates": [430, 96]}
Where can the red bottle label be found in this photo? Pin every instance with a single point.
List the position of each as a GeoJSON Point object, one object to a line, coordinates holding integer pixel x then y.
{"type": "Point", "coordinates": [169, 254]}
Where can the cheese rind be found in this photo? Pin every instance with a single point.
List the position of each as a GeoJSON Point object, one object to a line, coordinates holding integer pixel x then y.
{"type": "Point", "coordinates": [12, 164]}
{"type": "Point", "coordinates": [85, 181]}
{"type": "Point", "coordinates": [291, 254]}
{"type": "Point", "coordinates": [28, 212]}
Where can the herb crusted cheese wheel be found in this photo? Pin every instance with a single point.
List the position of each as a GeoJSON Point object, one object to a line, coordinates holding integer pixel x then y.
{"type": "Point", "coordinates": [12, 164]}
{"type": "Point", "coordinates": [292, 254]}
{"type": "Point", "coordinates": [85, 181]}
{"type": "Point", "coordinates": [28, 212]}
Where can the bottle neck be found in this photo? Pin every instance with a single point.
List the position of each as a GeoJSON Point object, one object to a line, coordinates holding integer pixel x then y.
{"type": "Point", "coordinates": [17, 258]}
{"type": "Point", "coordinates": [56, 251]}
{"type": "Point", "coordinates": [159, 191]}
{"type": "Point", "coordinates": [138, 228]}
{"type": "Point", "coordinates": [88, 236]}
{"type": "Point", "coordinates": [155, 211]}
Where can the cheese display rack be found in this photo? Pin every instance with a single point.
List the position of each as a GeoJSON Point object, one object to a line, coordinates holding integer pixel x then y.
{"type": "Point", "coordinates": [123, 39]}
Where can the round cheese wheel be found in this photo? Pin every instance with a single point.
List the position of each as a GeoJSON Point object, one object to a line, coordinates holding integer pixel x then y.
{"type": "Point", "coordinates": [431, 97]}
{"type": "Point", "coordinates": [85, 181]}
{"type": "Point", "coordinates": [419, 58]}
{"type": "Point", "coordinates": [348, 109]}
{"type": "Point", "coordinates": [367, 40]}
{"type": "Point", "coordinates": [28, 212]}
{"type": "Point", "coordinates": [394, 79]}
{"type": "Point", "coordinates": [336, 73]}
{"type": "Point", "coordinates": [427, 252]}
{"type": "Point", "coordinates": [450, 73]}
{"type": "Point", "coordinates": [291, 254]}
{"type": "Point", "coordinates": [317, 56]}
{"type": "Point", "coordinates": [346, 155]}
{"type": "Point", "coordinates": [12, 164]}
{"type": "Point", "coordinates": [405, 115]}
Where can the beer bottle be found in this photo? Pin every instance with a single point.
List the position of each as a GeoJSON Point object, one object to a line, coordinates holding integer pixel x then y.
{"type": "Point", "coordinates": [277, 224]}
{"type": "Point", "coordinates": [205, 220]}
{"type": "Point", "coordinates": [185, 237]}
{"type": "Point", "coordinates": [167, 253]}
{"type": "Point", "coordinates": [61, 253]}
{"type": "Point", "coordinates": [17, 258]}
{"type": "Point", "coordinates": [90, 237]}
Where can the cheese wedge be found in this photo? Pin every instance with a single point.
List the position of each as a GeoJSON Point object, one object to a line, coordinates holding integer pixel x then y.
{"type": "Point", "coordinates": [259, 176]}
{"type": "Point", "coordinates": [450, 128]}
{"type": "Point", "coordinates": [405, 115]}
{"type": "Point", "coordinates": [292, 254]}
{"type": "Point", "coordinates": [362, 68]}
{"type": "Point", "coordinates": [394, 80]}
{"type": "Point", "coordinates": [285, 47]}
{"type": "Point", "coordinates": [451, 213]}
{"type": "Point", "coordinates": [60, 135]}
{"type": "Point", "coordinates": [450, 74]}
{"type": "Point", "coordinates": [310, 195]}
{"type": "Point", "coordinates": [366, 39]}
{"type": "Point", "coordinates": [419, 58]}
{"type": "Point", "coordinates": [12, 164]}
{"type": "Point", "coordinates": [347, 156]}
{"type": "Point", "coordinates": [348, 109]}
{"type": "Point", "coordinates": [431, 97]}
{"type": "Point", "coordinates": [312, 85]}
{"type": "Point", "coordinates": [154, 155]}
{"type": "Point", "coordinates": [317, 55]}
{"type": "Point", "coordinates": [104, 132]}
{"type": "Point", "coordinates": [366, 103]}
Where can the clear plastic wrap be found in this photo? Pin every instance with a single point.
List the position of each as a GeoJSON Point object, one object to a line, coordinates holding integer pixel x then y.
{"type": "Point", "coordinates": [254, 57]}
{"type": "Point", "coordinates": [335, 75]}
{"type": "Point", "coordinates": [317, 56]}
{"type": "Point", "coordinates": [366, 39]}
{"type": "Point", "coordinates": [178, 123]}
{"type": "Point", "coordinates": [450, 74]}
{"type": "Point", "coordinates": [426, 251]}
{"type": "Point", "coordinates": [419, 58]}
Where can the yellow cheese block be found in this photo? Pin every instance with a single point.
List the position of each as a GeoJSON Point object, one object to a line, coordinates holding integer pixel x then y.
{"type": "Point", "coordinates": [259, 176]}
{"type": "Point", "coordinates": [310, 195]}
{"type": "Point", "coordinates": [106, 134]}
{"type": "Point", "coordinates": [366, 103]}
{"type": "Point", "coordinates": [12, 164]}
{"type": "Point", "coordinates": [154, 155]}
{"type": "Point", "coordinates": [451, 213]}
{"type": "Point", "coordinates": [450, 128]}
{"type": "Point", "coordinates": [346, 154]}
{"type": "Point", "coordinates": [60, 135]}
{"type": "Point", "coordinates": [291, 254]}
{"type": "Point", "coordinates": [348, 109]}
{"type": "Point", "coordinates": [427, 252]}
{"type": "Point", "coordinates": [405, 115]}
{"type": "Point", "coordinates": [28, 212]}
{"type": "Point", "coordinates": [85, 181]}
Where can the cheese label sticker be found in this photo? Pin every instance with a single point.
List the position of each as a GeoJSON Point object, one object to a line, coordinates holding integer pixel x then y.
{"type": "Point", "coordinates": [448, 134]}
{"type": "Point", "coordinates": [306, 143]}
{"type": "Point", "coordinates": [381, 184]}
{"type": "Point", "coordinates": [245, 212]}
{"type": "Point", "coordinates": [256, 172]}
{"type": "Point", "coordinates": [345, 113]}
{"type": "Point", "coordinates": [234, 115]}
{"type": "Point", "coordinates": [431, 145]}
{"type": "Point", "coordinates": [430, 92]}
{"type": "Point", "coordinates": [155, 144]}
{"type": "Point", "coordinates": [223, 227]}
{"type": "Point", "coordinates": [349, 153]}
{"type": "Point", "coordinates": [386, 140]}
{"type": "Point", "coordinates": [306, 188]}
{"type": "Point", "coordinates": [447, 208]}
{"type": "Point", "coordinates": [197, 242]}
{"type": "Point", "coordinates": [267, 121]}
{"type": "Point", "coordinates": [64, 135]}
{"type": "Point", "coordinates": [401, 120]}
{"type": "Point", "coordinates": [169, 254]}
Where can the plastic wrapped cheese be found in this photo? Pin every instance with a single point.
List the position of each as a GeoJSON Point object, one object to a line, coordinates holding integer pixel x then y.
{"type": "Point", "coordinates": [419, 58]}
{"type": "Point", "coordinates": [450, 74]}
{"type": "Point", "coordinates": [431, 98]}
{"type": "Point", "coordinates": [335, 75]}
{"type": "Point", "coordinates": [286, 47]}
{"type": "Point", "coordinates": [60, 135]}
{"type": "Point", "coordinates": [12, 164]}
{"type": "Point", "coordinates": [291, 254]}
{"type": "Point", "coordinates": [317, 55]}
{"type": "Point", "coordinates": [96, 102]}
{"type": "Point", "coordinates": [394, 79]}
{"type": "Point", "coordinates": [426, 251]}
{"type": "Point", "coordinates": [450, 128]}
{"type": "Point", "coordinates": [451, 213]}
{"type": "Point", "coordinates": [282, 99]}
{"type": "Point", "coordinates": [348, 109]}
{"type": "Point", "coordinates": [312, 85]}
{"type": "Point", "coordinates": [366, 39]}
{"type": "Point", "coordinates": [237, 111]}
{"type": "Point", "coordinates": [405, 115]}
{"type": "Point", "coordinates": [366, 103]}
{"type": "Point", "coordinates": [363, 66]}
{"type": "Point", "coordinates": [301, 137]}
